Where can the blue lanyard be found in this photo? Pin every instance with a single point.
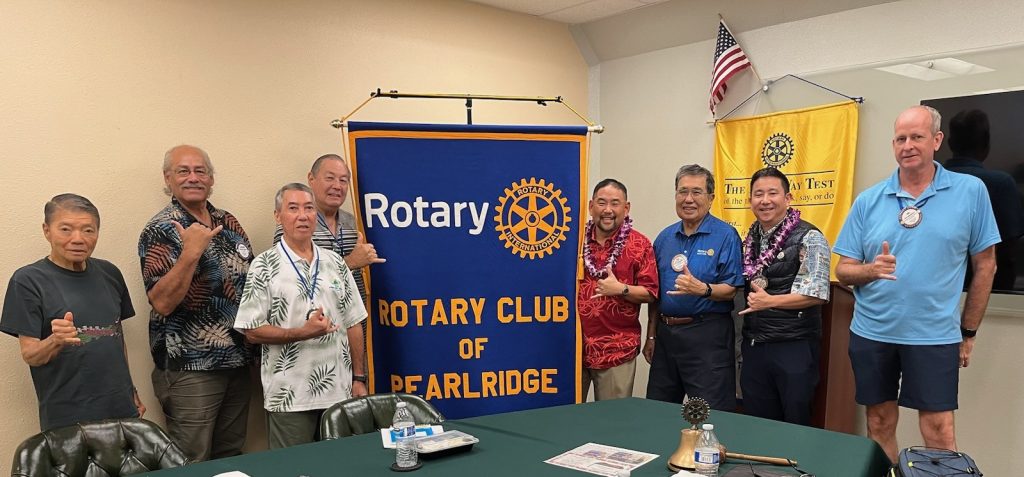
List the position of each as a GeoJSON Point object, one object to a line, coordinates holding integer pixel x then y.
{"type": "Point", "coordinates": [309, 290]}
{"type": "Point", "coordinates": [337, 238]}
{"type": "Point", "coordinates": [899, 201]}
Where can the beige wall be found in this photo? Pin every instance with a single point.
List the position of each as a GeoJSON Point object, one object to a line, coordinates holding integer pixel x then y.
{"type": "Point", "coordinates": [654, 107]}
{"type": "Point", "coordinates": [95, 92]}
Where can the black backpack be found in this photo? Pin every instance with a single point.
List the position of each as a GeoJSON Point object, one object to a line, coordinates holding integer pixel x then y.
{"type": "Point", "coordinates": [929, 462]}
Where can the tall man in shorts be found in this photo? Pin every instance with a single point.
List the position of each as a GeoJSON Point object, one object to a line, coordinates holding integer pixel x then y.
{"type": "Point", "coordinates": [904, 249]}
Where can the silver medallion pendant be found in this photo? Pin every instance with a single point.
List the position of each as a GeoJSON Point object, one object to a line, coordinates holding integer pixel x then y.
{"type": "Point", "coordinates": [910, 217]}
{"type": "Point", "coordinates": [759, 281]}
{"type": "Point", "coordinates": [679, 262]}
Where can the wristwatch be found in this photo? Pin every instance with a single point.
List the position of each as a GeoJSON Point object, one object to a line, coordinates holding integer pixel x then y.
{"type": "Point", "coordinates": [707, 292]}
{"type": "Point", "coordinates": [361, 379]}
{"type": "Point", "coordinates": [968, 333]}
{"type": "Point", "coordinates": [625, 291]}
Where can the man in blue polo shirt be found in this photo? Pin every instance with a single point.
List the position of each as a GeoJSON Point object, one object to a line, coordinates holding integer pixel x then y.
{"type": "Point", "coordinates": [904, 247]}
{"type": "Point", "coordinates": [690, 335]}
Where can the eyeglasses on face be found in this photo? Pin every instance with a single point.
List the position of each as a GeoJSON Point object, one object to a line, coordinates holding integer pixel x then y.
{"type": "Point", "coordinates": [695, 193]}
{"type": "Point", "coordinates": [200, 172]}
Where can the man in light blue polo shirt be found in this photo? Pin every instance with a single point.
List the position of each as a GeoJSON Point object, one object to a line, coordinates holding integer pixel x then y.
{"type": "Point", "coordinates": [690, 335]}
{"type": "Point", "coordinates": [905, 248]}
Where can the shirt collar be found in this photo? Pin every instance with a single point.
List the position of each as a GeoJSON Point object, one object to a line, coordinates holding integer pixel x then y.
{"type": "Point", "coordinates": [703, 228]}
{"type": "Point", "coordinates": [295, 258]}
{"type": "Point", "coordinates": [771, 230]}
{"type": "Point", "coordinates": [321, 219]}
{"type": "Point", "coordinates": [215, 213]}
{"type": "Point", "coordinates": [592, 238]}
{"type": "Point", "coordinates": [939, 182]}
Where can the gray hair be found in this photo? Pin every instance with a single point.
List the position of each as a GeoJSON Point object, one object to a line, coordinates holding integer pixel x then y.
{"type": "Point", "coordinates": [72, 203]}
{"type": "Point", "coordinates": [936, 119]}
{"type": "Point", "coordinates": [287, 187]}
{"type": "Point", "coordinates": [326, 157]}
{"type": "Point", "coordinates": [696, 170]}
{"type": "Point", "coordinates": [169, 159]}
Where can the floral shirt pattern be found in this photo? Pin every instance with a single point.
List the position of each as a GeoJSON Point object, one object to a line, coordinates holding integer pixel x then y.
{"type": "Point", "coordinates": [310, 374]}
{"type": "Point", "coordinates": [611, 325]}
{"type": "Point", "coordinates": [198, 334]}
{"type": "Point", "coordinates": [812, 279]}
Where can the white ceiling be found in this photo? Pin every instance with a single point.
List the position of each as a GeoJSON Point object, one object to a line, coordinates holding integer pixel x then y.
{"type": "Point", "coordinates": [569, 11]}
{"type": "Point", "coordinates": [609, 29]}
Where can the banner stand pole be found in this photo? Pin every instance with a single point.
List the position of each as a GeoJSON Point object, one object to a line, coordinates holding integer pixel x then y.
{"type": "Point", "coordinates": [540, 100]}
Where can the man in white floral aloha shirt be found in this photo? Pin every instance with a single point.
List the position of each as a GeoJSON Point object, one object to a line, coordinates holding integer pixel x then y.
{"type": "Point", "coordinates": [302, 305]}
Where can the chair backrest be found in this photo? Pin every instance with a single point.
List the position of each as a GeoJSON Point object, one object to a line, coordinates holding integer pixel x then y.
{"type": "Point", "coordinates": [111, 447]}
{"type": "Point", "coordinates": [366, 414]}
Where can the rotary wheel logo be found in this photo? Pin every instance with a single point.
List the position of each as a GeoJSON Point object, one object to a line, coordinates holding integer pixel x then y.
{"type": "Point", "coordinates": [532, 218]}
{"type": "Point", "coordinates": [777, 150]}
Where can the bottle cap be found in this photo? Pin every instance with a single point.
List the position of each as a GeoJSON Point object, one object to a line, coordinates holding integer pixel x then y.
{"type": "Point", "coordinates": [708, 427]}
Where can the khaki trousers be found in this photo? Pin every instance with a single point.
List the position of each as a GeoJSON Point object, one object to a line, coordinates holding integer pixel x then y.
{"type": "Point", "coordinates": [611, 383]}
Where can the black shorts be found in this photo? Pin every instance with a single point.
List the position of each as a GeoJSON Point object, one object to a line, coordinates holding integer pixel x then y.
{"type": "Point", "coordinates": [922, 377]}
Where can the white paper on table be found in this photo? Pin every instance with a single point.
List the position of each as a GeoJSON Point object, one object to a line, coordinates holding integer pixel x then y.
{"type": "Point", "coordinates": [387, 435]}
{"type": "Point", "coordinates": [233, 473]}
{"type": "Point", "coordinates": [601, 459]}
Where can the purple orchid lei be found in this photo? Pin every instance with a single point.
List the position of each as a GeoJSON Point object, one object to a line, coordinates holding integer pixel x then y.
{"type": "Point", "coordinates": [752, 268]}
{"type": "Point", "coordinates": [617, 247]}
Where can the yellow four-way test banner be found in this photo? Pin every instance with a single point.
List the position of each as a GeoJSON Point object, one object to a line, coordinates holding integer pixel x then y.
{"type": "Point", "coordinates": [815, 147]}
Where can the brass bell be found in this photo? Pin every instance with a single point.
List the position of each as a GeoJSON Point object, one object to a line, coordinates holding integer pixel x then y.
{"type": "Point", "coordinates": [682, 458]}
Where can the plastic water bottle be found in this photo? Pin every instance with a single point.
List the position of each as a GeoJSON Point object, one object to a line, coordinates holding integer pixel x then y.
{"type": "Point", "coordinates": [404, 430]}
{"type": "Point", "coordinates": [708, 454]}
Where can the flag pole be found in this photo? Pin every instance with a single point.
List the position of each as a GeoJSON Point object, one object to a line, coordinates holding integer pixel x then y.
{"type": "Point", "coordinates": [752, 69]}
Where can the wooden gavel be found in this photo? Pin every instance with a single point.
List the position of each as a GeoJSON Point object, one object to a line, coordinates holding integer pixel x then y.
{"type": "Point", "coordinates": [758, 458]}
{"type": "Point", "coordinates": [682, 458]}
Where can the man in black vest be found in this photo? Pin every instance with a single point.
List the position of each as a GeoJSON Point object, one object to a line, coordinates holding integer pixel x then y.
{"type": "Point", "coordinates": [786, 266]}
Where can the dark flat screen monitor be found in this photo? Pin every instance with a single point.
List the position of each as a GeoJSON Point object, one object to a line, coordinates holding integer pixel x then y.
{"type": "Point", "coordinates": [1003, 174]}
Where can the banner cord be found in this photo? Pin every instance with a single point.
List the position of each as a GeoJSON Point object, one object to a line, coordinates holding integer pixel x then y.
{"type": "Point", "coordinates": [764, 89]}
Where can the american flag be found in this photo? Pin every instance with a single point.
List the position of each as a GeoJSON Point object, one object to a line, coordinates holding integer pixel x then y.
{"type": "Point", "coordinates": [729, 60]}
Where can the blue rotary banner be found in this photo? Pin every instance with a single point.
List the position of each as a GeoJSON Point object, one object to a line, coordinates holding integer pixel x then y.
{"type": "Point", "coordinates": [475, 309]}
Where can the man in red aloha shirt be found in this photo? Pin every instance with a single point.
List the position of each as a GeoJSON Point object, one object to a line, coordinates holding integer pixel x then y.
{"type": "Point", "coordinates": [619, 273]}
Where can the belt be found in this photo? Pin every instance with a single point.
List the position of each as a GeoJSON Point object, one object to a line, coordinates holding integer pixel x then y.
{"type": "Point", "coordinates": [685, 320]}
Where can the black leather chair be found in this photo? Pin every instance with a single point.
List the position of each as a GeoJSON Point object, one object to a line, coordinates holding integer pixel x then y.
{"type": "Point", "coordinates": [111, 447]}
{"type": "Point", "coordinates": [367, 414]}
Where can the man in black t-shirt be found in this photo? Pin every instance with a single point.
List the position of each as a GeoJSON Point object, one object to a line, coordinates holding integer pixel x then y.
{"type": "Point", "coordinates": [66, 311]}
